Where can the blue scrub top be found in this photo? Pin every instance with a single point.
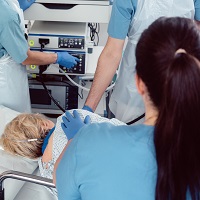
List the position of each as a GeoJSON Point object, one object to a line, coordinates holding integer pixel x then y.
{"type": "Point", "coordinates": [123, 12]}
{"type": "Point", "coordinates": [12, 40]}
{"type": "Point", "coordinates": [107, 162]}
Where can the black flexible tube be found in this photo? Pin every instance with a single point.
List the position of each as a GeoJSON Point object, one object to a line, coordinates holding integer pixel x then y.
{"type": "Point", "coordinates": [136, 119]}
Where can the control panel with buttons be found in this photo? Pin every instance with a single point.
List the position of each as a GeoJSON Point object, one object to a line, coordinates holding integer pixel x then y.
{"type": "Point", "coordinates": [71, 43]}
{"type": "Point", "coordinates": [80, 67]}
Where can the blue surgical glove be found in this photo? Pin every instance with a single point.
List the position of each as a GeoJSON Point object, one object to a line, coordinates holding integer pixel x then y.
{"type": "Point", "coordinates": [24, 4]}
{"type": "Point", "coordinates": [66, 60]}
{"type": "Point", "coordinates": [87, 108]}
{"type": "Point", "coordinates": [72, 124]}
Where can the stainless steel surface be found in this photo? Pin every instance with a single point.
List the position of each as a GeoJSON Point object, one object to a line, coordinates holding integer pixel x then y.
{"type": "Point", "coordinates": [25, 177]}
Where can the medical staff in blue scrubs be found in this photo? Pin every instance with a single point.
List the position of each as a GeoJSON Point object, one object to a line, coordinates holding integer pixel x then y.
{"type": "Point", "coordinates": [158, 159]}
{"type": "Point", "coordinates": [15, 54]}
{"type": "Point", "coordinates": [129, 18]}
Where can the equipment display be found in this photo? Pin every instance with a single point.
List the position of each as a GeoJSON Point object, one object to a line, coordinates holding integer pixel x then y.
{"type": "Point", "coordinates": [80, 67]}
{"type": "Point", "coordinates": [65, 95]}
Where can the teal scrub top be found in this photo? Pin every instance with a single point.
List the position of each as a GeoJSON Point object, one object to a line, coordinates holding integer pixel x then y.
{"type": "Point", "coordinates": [12, 40]}
{"type": "Point", "coordinates": [123, 12]}
{"type": "Point", "coordinates": [107, 162]}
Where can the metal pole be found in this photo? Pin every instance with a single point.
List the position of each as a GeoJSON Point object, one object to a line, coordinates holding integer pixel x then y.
{"type": "Point", "coordinates": [23, 177]}
{"type": "Point", "coordinates": [1, 192]}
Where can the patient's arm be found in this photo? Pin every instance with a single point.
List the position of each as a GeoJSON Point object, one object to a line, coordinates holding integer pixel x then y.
{"type": "Point", "coordinates": [47, 155]}
{"type": "Point", "coordinates": [58, 160]}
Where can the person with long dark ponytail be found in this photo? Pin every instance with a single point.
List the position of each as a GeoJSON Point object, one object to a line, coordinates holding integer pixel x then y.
{"type": "Point", "coordinates": [168, 55]}
{"type": "Point", "coordinates": [159, 159]}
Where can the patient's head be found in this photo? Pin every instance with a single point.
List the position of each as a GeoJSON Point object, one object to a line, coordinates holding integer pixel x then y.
{"type": "Point", "coordinates": [25, 133]}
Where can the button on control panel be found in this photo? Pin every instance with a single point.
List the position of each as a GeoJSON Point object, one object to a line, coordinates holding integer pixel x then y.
{"type": "Point", "coordinates": [79, 68]}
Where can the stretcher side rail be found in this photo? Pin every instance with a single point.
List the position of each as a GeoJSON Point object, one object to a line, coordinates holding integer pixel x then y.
{"type": "Point", "coordinates": [23, 177]}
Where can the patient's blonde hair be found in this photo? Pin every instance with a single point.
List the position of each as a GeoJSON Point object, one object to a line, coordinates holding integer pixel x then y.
{"type": "Point", "coordinates": [21, 129]}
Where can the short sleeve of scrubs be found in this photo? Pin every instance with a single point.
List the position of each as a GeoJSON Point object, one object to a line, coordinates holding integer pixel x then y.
{"type": "Point", "coordinates": [12, 38]}
{"type": "Point", "coordinates": [197, 10]}
{"type": "Point", "coordinates": [121, 16]}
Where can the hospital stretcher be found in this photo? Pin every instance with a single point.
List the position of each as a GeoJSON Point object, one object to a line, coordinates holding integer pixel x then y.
{"type": "Point", "coordinates": [19, 177]}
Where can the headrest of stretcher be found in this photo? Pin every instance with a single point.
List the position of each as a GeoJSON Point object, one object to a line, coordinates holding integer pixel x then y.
{"type": "Point", "coordinates": [11, 162]}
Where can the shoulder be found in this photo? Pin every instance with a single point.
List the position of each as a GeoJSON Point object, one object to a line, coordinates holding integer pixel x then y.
{"type": "Point", "coordinates": [98, 135]}
{"type": "Point", "coordinates": [197, 9]}
{"type": "Point", "coordinates": [124, 8]}
{"type": "Point", "coordinates": [122, 13]}
{"type": "Point", "coordinates": [126, 4]}
{"type": "Point", "coordinates": [104, 129]}
{"type": "Point", "coordinates": [9, 19]}
{"type": "Point", "coordinates": [7, 14]}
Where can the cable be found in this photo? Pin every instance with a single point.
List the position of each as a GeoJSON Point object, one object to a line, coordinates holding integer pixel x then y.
{"type": "Point", "coordinates": [42, 68]}
{"type": "Point", "coordinates": [80, 86]}
{"type": "Point", "coordinates": [52, 98]}
{"type": "Point", "coordinates": [81, 95]}
{"type": "Point", "coordinates": [62, 81]}
{"type": "Point", "coordinates": [68, 84]}
{"type": "Point", "coordinates": [94, 32]}
{"type": "Point", "coordinates": [136, 119]}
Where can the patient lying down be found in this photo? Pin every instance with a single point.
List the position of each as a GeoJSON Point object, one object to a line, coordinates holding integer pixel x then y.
{"type": "Point", "coordinates": [34, 136]}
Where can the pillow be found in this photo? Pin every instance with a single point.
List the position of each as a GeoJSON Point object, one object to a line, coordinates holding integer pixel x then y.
{"type": "Point", "coordinates": [12, 162]}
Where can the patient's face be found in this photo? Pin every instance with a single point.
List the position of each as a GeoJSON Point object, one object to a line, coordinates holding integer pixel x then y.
{"type": "Point", "coordinates": [48, 124]}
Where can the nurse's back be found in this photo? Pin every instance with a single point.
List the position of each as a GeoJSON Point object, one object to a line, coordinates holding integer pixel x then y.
{"type": "Point", "coordinates": [111, 162]}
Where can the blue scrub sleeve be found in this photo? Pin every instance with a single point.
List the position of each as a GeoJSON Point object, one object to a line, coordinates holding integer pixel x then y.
{"type": "Point", "coordinates": [65, 174]}
{"type": "Point", "coordinates": [46, 139]}
{"type": "Point", "coordinates": [197, 10]}
{"type": "Point", "coordinates": [12, 39]}
{"type": "Point", "coordinates": [121, 17]}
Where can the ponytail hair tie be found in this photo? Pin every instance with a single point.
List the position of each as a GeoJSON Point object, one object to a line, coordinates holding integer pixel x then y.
{"type": "Point", "coordinates": [179, 51]}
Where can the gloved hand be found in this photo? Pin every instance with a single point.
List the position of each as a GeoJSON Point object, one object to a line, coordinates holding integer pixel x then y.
{"type": "Point", "coordinates": [24, 4]}
{"type": "Point", "coordinates": [87, 108]}
{"type": "Point", "coordinates": [66, 60]}
{"type": "Point", "coordinates": [72, 124]}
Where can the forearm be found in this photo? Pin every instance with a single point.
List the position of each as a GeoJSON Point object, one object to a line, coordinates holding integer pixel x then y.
{"type": "Point", "coordinates": [107, 65]}
{"type": "Point", "coordinates": [40, 58]}
{"type": "Point", "coordinates": [103, 77]}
